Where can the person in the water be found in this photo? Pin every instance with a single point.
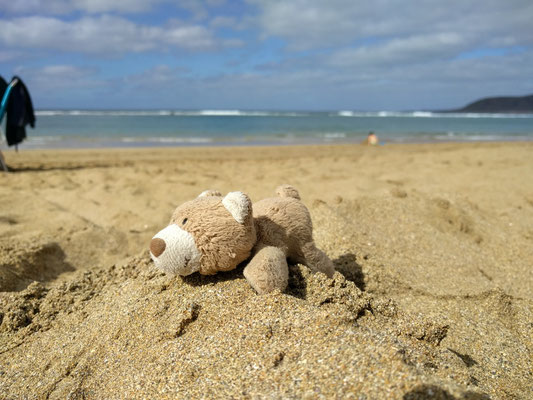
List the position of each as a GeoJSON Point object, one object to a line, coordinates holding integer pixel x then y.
{"type": "Point", "coordinates": [372, 139]}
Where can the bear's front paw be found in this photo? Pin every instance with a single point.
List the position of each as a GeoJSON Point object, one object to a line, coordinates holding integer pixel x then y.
{"type": "Point", "coordinates": [268, 270]}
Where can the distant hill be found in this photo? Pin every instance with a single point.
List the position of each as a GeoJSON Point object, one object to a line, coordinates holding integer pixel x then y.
{"type": "Point", "coordinates": [518, 104]}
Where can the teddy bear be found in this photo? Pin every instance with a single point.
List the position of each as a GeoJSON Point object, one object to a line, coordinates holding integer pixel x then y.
{"type": "Point", "coordinates": [214, 233]}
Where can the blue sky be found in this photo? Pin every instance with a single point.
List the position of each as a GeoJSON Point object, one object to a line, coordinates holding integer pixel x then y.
{"type": "Point", "coordinates": [267, 54]}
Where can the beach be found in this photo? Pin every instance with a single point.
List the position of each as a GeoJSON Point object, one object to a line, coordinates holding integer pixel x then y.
{"type": "Point", "coordinates": [432, 298]}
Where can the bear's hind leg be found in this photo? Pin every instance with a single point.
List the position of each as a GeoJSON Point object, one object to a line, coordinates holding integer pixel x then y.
{"type": "Point", "coordinates": [317, 260]}
{"type": "Point", "coordinates": [267, 270]}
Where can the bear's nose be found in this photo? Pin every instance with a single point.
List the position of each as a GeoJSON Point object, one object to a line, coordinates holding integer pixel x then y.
{"type": "Point", "coordinates": [157, 246]}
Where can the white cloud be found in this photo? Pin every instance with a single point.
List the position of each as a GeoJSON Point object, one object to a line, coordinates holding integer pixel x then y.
{"type": "Point", "coordinates": [104, 34]}
{"type": "Point", "coordinates": [10, 55]}
{"type": "Point", "coordinates": [223, 22]}
{"type": "Point", "coordinates": [196, 8]}
{"type": "Point", "coordinates": [52, 78]}
{"type": "Point", "coordinates": [52, 7]}
{"type": "Point", "coordinates": [67, 71]}
{"type": "Point", "coordinates": [61, 7]}
{"type": "Point", "coordinates": [103, 6]}
{"type": "Point", "coordinates": [158, 77]}
{"type": "Point", "coordinates": [416, 47]}
{"type": "Point", "coordinates": [308, 24]}
{"type": "Point", "coordinates": [404, 50]}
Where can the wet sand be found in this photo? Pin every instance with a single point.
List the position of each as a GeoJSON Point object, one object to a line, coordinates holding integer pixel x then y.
{"type": "Point", "coordinates": [433, 297]}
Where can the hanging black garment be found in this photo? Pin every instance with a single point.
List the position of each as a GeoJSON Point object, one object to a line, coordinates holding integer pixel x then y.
{"type": "Point", "coordinates": [3, 87]}
{"type": "Point", "coordinates": [19, 113]}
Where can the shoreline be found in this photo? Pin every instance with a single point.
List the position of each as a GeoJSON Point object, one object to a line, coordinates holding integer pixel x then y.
{"type": "Point", "coordinates": [171, 142]}
{"type": "Point", "coordinates": [228, 145]}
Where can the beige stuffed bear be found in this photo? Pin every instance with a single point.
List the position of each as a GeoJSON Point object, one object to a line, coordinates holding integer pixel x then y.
{"type": "Point", "coordinates": [213, 233]}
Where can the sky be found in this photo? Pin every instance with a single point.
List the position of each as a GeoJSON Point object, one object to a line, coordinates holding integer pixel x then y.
{"type": "Point", "coordinates": [267, 54]}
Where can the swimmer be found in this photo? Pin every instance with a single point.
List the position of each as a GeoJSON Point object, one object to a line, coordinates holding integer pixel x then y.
{"type": "Point", "coordinates": [372, 139]}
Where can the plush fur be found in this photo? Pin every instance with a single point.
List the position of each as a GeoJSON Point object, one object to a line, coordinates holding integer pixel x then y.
{"type": "Point", "coordinates": [228, 230]}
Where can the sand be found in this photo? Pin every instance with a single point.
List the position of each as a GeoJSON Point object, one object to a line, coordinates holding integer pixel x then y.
{"type": "Point", "coordinates": [433, 297]}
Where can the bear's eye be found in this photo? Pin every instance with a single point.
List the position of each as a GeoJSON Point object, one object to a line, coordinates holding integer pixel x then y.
{"type": "Point", "coordinates": [184, 221]}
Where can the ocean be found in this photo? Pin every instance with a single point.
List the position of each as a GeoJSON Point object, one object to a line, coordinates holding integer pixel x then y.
{"type": "Point", "coordinates": [89, 129]}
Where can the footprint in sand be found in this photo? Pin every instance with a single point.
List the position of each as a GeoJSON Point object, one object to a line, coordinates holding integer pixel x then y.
{"type": "Point", "coordinates": [450, 218]}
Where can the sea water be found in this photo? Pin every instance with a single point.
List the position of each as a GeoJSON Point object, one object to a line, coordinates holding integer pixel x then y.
{"type": "Point", "coordinates": [78, 128]}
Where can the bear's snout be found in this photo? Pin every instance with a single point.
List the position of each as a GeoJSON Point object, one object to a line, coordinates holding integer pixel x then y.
{"type": "Point", "coordinates": [174, 251]}
{"type": "Point", "coordinates": [157, 246]}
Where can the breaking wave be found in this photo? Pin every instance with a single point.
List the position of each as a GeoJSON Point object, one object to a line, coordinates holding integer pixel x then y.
{"type": "Point", "coordinates": [155, 113]}
{"type": "Point", "coordinates": [427, 114]}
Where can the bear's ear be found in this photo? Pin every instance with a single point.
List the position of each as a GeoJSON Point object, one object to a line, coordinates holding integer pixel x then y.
{"type": "Point", "coordinates": [209, 193]}
{"type": "Point", "coordinates": [239, 205]}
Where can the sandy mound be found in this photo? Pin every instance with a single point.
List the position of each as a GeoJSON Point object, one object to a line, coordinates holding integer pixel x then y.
{"type": "Point", "coordinates": [128, 331]}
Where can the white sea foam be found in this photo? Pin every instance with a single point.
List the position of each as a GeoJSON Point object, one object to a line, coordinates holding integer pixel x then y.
{"type": "Point", "coordinates": [247, 113]}
{"type": "Point", "coordinates": [193, 113]}
{"type": "Point", "coordinates": [334, 135]}
{"type": "Point", "coordinates": [386, 114]}
{"type": "Point", "coordinates": [48, 113]}
{"type": "Point", "coordinates": [97, 113]}
{"type": "Point", "coordinates": [426, 114]}
{"type": "Point", "coordinates": [166, 139]}
{"type": "Point", "coordinates": [220, 113]}
{"type": "Point", "coordinates": [240, 113]}
{"type": "Point", "coordinates": [43, 139]}
{"type": "Point", "coordinates": [345, 113]}
{"type": "Point", "coordinates": [423, 114]}
{"type": "Point", "coordinates": [480, 115]}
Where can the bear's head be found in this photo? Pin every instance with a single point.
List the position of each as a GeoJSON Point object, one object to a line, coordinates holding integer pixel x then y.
{"type": "Point", "coordinates": [208, 234]}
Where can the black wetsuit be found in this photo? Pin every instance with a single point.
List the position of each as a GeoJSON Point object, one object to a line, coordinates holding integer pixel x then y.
{"type": "Point", "coordinates": [19, 113]}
